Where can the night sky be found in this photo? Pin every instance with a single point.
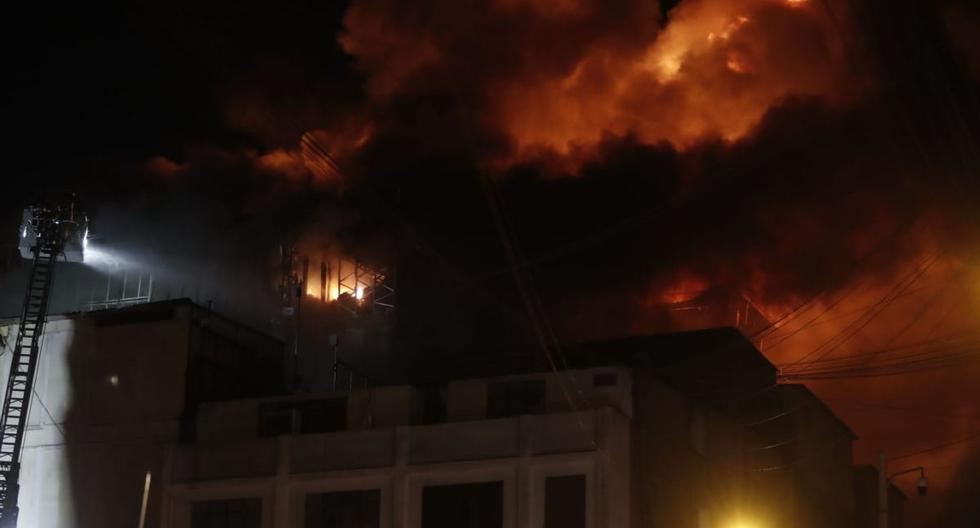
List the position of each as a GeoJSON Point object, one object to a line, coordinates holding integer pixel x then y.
{"type": "Point", "coordinates": [818, 156]}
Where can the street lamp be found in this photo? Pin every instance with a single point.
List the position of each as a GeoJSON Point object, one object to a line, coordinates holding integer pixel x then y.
{"type": "Point", "coordinates": [921, 486]}
{"type": "Point", "coordinates": [741, 520]}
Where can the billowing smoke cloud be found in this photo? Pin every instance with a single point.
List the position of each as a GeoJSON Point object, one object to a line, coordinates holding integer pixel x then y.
{"type": "Point", "coordinates": [786, 149]}
{"type": "Point", "coordinates": [774, 131]}
{"type": "Point", "coordinates": [775, 147]}
{"type": "Point", "coordinates": [814, 153]}
{"type": "Point", "coordinates": [558, 75]}
{"type": "Point", "coordinates": [790, 150]}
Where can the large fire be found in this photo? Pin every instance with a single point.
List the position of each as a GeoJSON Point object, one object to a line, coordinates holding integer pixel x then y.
{"type": "Point", "coordinates": [712, 71]}
{"type": "Point", "coordinates": [546, 82]}
{"type": "Point", "coordinates": [331, 278]}
{"type": "Point", "coordinates": [684, 289]}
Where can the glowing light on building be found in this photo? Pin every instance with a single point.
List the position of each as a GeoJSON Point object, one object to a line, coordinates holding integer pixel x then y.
{"type": "Point", "coordinates": [101, 258]}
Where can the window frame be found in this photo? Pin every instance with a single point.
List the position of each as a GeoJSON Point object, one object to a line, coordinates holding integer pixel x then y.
{"type": "Point", "coordinates": [462, 473]}
{"type": "Point", "coordinates": [539, 474]}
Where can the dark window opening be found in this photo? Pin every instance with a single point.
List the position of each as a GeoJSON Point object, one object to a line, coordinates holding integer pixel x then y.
{"type": "Point", "coordinates": [322, 416]}
{"type": "Point", "coordinates": [228, 513]}
{"type": "Point", "coordinates": [434, 404]}
{"type": "Point", "coordinates": [606, 379]}
{"type": "Point", "coordinates": [514, 398]}
{"type": "Point", "coordinates": [303, 417]}
{"type": "Point", "coordinates": [564, 502]}
{"type": "Point", "coordinates": [344, 509]}
{"type": "Point", "coordinates": [275, 419]}
{"type": "Point", "coordinates": [479, 505]}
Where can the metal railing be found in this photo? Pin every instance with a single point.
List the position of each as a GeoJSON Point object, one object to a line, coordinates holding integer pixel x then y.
{"type": "Point", "coordinates": [123, 292]}
{"type": "Point", "coordinates": [347, 378]}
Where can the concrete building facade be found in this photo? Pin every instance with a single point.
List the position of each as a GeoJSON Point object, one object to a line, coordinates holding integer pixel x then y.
{"type": "Point", "coordinates": [686, 430]}
{"type": "Point", "coordinates": [113, 390]}
{"type": "Point", "coordinates": [506, 442]}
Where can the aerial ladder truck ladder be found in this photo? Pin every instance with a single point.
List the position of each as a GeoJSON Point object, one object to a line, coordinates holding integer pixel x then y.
{"type": "Point", "coordinates": [46, 234]}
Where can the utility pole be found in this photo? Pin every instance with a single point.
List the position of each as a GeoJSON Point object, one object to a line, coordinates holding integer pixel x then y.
{"type": "Point", "coordinates": [884, 480]}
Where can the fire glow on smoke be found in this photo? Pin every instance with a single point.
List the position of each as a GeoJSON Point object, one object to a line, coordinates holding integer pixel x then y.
{"type": "Point", "coordinates": [713, 69]}
{"type": "Point", "coordinates": [555, 77]}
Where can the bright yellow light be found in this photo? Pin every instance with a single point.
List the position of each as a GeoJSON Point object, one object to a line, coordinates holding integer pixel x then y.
{"type": "Point", "coordinates": [742, 523]}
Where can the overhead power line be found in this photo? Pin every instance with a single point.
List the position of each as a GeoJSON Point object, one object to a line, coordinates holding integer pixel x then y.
{"type": "Point", "coordinates": [856, 326]}
{"type": "Point", "coordinates": [939, 447]}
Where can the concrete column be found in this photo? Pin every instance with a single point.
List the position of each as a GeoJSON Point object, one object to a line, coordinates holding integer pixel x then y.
{"type": "Point", "coordinates": [280, 497]}
{"type": "Point", "coordinates": [602, 492]}
{"type": "Point", "coordinates": [523, 485]}
{"type": "Point", "coordinates": [399, 479]}
{"type": "Point", "coordinates": [165, 481]}
{"type": "Point", "coordinates": [613, 469]}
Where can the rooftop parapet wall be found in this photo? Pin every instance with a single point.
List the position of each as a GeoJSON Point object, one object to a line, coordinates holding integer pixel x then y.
{"type": "Point", "coordinates": [549, 434]}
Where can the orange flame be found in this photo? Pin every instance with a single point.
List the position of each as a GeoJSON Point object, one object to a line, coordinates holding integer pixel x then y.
{"type": "Point", "coordinates": [684, 289]}
{"type": "Point", "coordinates": [712, 71]}
{"type": "Point", "coordinates": [341, 279]}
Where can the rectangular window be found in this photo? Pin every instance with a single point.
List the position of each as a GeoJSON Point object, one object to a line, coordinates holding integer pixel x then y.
{"type": "Point", "coordinates": [434, 404]}
{"type": "Point", "coordinates": [303, 417]}
{"type": "Point", "coordinates": [479, 505]}
{"type": "Point", "coordinates": [344, 509]}
{"type": "Point", "coordinates": [564, 502]}
{"type": "Point", "coordinates": [322, 416]}
{"type": "Point", "coordinates": [514, 398]}
{"type": "Point", "coordinates": [227, 513]}
{"type": "Point", "coordinates": [605, 379]}
{"type": "Point", "coordinates": [275, 419]}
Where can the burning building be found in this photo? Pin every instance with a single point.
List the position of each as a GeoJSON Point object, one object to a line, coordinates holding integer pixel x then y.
{"type": "Point", "coordinates": [710, 308]}
{"type": "Point", "coordinates": [798, 152]}
{"type": "Point", "coordinates": [682, 429]}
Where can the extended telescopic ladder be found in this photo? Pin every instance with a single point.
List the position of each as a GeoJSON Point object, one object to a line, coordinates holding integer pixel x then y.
{"type": "Point", "coordinates": [23, 366]}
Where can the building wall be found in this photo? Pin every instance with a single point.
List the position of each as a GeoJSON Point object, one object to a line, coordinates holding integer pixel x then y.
{"type": "Point", "coordinates": [820, 461]}
{"type": "Point", "coordinates": [107, 399]}
{"type": "Point", "coordinates": [612, 386]}
{"type": "Point", "coordinates": [111, 396]}
{"type": "Point", "coordinates": [654, 455]}
{"type": "Point", "coordinates": [689, 464]}
{"type": "Point", "coordinates": [119, 389]}
{"type": "Point", "coordinates": [401, 457]}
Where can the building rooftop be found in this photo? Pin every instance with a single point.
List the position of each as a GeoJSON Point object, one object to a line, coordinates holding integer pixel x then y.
{"type": "Point", "coordinates": [717, 363]}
